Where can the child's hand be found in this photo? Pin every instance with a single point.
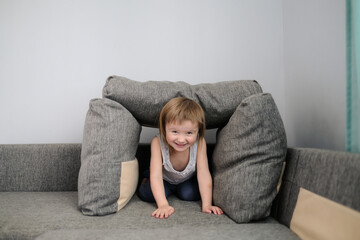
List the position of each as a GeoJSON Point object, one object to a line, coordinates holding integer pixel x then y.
{"type": "Point", "coordinates": [212, 209]}
{"type": "Point", "coordinates": [163, 212]}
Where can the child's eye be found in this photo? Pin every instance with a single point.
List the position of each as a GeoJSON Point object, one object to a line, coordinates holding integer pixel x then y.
{"type": "Point", "coordinates": [189, 133]}
{"type": "Point", "coordinates": [174, 132]}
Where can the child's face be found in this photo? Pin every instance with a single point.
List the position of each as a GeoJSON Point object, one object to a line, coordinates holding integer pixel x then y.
{"type": "Point", "coordinates": [181, 136]}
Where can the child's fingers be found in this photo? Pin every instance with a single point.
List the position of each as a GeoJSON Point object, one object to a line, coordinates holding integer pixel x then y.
{"type": "Point", "coordinates": [207, 210]}
{"type": "Point", "coordinates": [218, 211]}
{"type": "Point", "coordinates": [154, 213]}
{"type": "Point", "coordinates": [159, 215]}
{"type": "Point", "coordinates": [214, 210]}
{"type": "Point", "coordinates": [162, 214]}
{"type": "Point", "coordinates": [168, 213]}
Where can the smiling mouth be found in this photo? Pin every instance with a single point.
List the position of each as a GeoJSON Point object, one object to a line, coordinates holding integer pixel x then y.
{"type": "Point", "coordinates": [181, 145]}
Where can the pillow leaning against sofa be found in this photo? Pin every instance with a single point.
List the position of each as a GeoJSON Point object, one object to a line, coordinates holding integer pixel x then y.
{"type": "Point", "coordinates": [146, 99]}
{"type": "Point", "coordinates": [109, 170]}
{"type": "Point", "coordinates": [247, 159]}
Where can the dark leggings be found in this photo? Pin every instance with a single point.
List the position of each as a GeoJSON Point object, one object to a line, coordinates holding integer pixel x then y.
{"type": "Point", "coordinates": [187, 191]}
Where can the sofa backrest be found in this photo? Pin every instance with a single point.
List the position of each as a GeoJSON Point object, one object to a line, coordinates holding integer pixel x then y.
{"type": "Point", "coordinates": [49, 167]}
{"type": "Point", "coordinates": [39, 167]}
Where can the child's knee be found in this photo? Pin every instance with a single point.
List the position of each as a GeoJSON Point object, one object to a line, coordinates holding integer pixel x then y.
{"type": "Point", "coordinates": [188, 193]}
{"type": "Point", "coordinates": [144, 192]}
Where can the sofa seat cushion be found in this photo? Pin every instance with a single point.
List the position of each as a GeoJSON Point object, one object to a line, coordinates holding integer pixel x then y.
{"type": "Point", "coordinates": [220, 231]}
{"type": "Point", "coordinates": [26, 215]}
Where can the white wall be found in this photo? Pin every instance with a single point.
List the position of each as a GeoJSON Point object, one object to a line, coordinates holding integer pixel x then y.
{"type": "Point", "coordinates": [315, 73]}
{"type": "Point", "coordinates": [56, 55]}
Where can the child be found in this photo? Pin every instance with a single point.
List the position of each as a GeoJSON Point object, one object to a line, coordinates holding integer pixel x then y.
{"type": "Point", "coordinates": [177, 153]}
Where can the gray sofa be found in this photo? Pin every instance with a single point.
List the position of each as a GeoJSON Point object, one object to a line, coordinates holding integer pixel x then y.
{"type": "Point", "coordinates": [39, 199]}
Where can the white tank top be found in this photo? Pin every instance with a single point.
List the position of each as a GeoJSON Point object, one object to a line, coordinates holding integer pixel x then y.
{"type": "Point", "coordinates": [169, 173]}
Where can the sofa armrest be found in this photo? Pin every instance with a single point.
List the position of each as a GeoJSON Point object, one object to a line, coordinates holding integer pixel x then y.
{"type": "Point", "coordinates": [328, 176]}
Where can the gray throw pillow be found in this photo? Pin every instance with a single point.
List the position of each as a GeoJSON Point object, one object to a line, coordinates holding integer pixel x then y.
{"type": "Point", "coordinates": [109, 170]}
{"type": "Point", "coordinates": [247, 159]}
{"type": "Point", "coordinates": [146, 99]}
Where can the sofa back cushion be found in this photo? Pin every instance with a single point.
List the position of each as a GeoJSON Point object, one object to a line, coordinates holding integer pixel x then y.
{"type": "Point", "coordinates": [146, 99]}
{"type": "Point", "coordinates": [109, 170]}
{"type": "Point", "coordinates": [248, 154]}
{"type": "Point", "coordinates": [248, 159]}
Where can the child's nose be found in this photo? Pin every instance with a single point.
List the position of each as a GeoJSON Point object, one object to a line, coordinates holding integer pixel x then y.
{"type": "Point", "coordinates": [181, 138]}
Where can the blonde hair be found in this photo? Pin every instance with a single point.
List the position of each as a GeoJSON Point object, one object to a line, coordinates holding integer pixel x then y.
{"type": "Point", "coordinates": [180, 109]}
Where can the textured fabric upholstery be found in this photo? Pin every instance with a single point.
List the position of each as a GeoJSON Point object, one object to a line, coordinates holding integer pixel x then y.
{"type": "Point", "coordinates": [246, 166]}
{"type": "Point", "coordinates": [26, 215]}
{"type": "Point", "coordinates": [146, 99]}
{"type": "Point", "coordinates": [111, 136]}
{"type": "Point", "coordinates": [331, 174]}
{"type": "Point", "coordinates": [39, 167]}
{"type": "Point", "coordinates": [215, 232]}
{"type": "Point", "coordinates": [248, 158]}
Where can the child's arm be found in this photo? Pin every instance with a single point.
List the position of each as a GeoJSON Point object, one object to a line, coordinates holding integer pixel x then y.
{"type": "Point", "coordinates": [205, 180]}
{"type": "Point", "coordinates": [164, 210]}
